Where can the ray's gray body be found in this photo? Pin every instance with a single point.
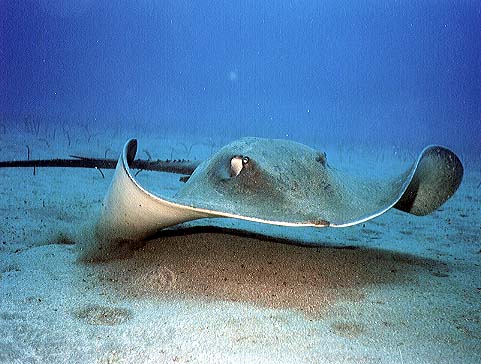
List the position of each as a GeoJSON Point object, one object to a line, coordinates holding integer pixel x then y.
{"type": "Point", "coordinates": [284, 183]}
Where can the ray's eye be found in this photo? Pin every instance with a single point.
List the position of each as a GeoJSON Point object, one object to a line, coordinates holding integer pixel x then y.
{"type": "Point", "coordinates": [237, 163]}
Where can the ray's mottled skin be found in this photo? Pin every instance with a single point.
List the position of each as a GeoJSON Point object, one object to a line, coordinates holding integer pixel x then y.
{"type": "Point", "coordinates": [276, 182]}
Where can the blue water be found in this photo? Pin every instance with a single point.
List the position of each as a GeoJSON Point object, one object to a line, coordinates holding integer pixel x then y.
{"type": "Point", "coordinates": [404, 72]}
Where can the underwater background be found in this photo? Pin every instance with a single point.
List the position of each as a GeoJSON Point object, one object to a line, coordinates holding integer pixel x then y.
{"type": "Point", "coordinates": [404, 73]}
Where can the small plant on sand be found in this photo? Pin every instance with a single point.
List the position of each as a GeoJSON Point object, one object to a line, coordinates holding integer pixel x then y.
{"type": "Point", "coordinates": [88, 133]}
{"type": "Point", "coordinates": [32, 124]}
{"type": "Point", "coordinates": [66, 134]}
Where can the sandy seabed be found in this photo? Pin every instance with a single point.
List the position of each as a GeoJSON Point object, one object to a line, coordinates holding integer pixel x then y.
{"type": "Point", "coordinates": [398, 289]}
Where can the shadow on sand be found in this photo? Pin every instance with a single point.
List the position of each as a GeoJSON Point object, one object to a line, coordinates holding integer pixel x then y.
{"type": "Point", "coordinates": [231, 265]}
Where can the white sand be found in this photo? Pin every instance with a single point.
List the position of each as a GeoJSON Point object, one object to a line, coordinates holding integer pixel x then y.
{"type": "Point", "coordinates": [400, 289]}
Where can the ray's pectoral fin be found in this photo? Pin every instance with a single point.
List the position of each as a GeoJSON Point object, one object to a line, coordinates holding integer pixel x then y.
{"type": "Point", "coordinates": [129, 212]}
{"type": "Point", "coordinates": [437, 175]}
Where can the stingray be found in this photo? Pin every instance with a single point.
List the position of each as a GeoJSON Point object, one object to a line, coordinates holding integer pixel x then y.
{"type": "Point", "coordinates": [276, 182]}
